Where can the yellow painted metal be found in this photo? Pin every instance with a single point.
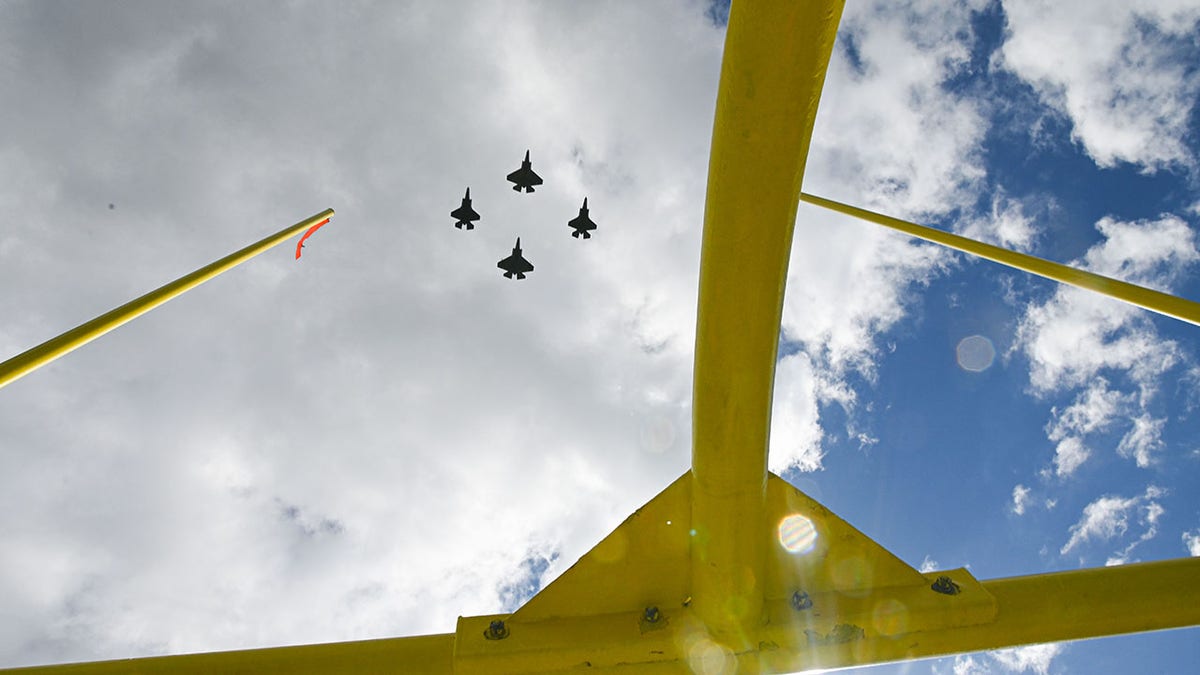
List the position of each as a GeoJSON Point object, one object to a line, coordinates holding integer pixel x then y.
{"type": "Point", "coordinates": [826, 553]}
{"type": "Point", "coordinates": [641, 563]}
{"type": "Point", "coordinates": [864, 605]}
{"type": "Point", "coordinates": [421, 655]}
{"type": "Point", "coordinates": [1155, 301]}
{"type": "Point", "coordinates": [593, 643]}
{"type": "Point", "coordinates": [776, 53]}
{"type": "Point", "coordinates": [50, 350]}
{"type": "Point", "coordinates": [892, 626]}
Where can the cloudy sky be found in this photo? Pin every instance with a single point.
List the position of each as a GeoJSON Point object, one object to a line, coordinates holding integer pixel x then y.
{"type": "Point", "coordinates": [387, 434]}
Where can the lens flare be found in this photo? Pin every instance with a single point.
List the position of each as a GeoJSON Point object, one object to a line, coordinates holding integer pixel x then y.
{"type": "Point", "coordinates": [706, 657]}
{"type": "Point", "coordinates": [797, 534]}
{"type": "Point", "coordinates": [975, 353]}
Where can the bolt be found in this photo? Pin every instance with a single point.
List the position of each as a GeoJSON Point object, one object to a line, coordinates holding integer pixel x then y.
{"type": "Point", "coordinates": [651, 615]}
{"type": "Point", "coordinates": [496, 630]}
{"type": "Point", "coordinates": [801, 601]}
{"type": "Point", "coordinates": [945, 586]}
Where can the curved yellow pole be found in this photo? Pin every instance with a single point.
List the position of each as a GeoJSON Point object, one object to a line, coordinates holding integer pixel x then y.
{"type": "Point", "coordinates": [1155, 301]}
{"type": "Point", "coordinates": [776, 53]}
{"type": "Point", "coordinates": [53, 348]}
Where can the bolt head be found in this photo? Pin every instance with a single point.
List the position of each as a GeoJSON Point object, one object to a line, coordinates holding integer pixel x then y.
{"type": "Point", "coordinates": [496, 630]}
{"type": "Point", "coordinates": [945, 586]}
{"type": "Point", "coordinates": [801, 601]}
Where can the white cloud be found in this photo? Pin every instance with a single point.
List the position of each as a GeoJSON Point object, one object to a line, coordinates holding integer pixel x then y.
{"type": "Point", "coordinates": [888, 136]}
{"type": "Point", "coordinates": [795, 431]}
{"type": "Point", "coordinates": [1081, 340]}
{"type": "Point", "coordinates": [371, 440]}
{"type": "Point", "coordinates": [1118, 70]}
{"type": "Point", "coordinates": [1033, 658]}
{"type": "Point", "coordinates": [1191, 541]}
{"type": "Point", "coordinates": [1007, 225]}
{"type": "Point", "coordinates": [1142, 440]}
{"type": "Point", "coordinates": [1076, 334]}
{"type": "Point", "coordinates": [1028, 659]}
{"type": "Point", "coordinates": [1020, 499]}
{"type": "Point", "coordinates": [1069, 455]}
{"type": "Point", "coordinates": [967, 665]}
{"type": "Point", "coordinates": [1093, 410]}
{"type": "Point", "coordinates": [1103, 519]}
{"type": "Point", "coordinates": [1108, 517]}
{"type": "Point", "coordinates": [929, 565]}
{"type": "Point", "coordinates": [1149, 515]}
{"type": "Point", "coordinates": [1150, 252]}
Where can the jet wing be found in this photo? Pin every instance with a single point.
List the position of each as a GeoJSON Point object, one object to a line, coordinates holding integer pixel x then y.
{"type": "Point", "coordinates": [582, 223]}
{"type": "Point", "coordinates": [463, 213]}
{"type": "Point", "coordinates": [515, 263]}
{"type": "Point", "coordinates": [524, 176]}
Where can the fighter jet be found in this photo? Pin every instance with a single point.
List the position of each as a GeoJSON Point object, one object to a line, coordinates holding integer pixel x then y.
{"type": "Point", "coordinates": [524, 177]}
{"type": "Point", "coordinates": [465, 214]}
{"type": "Point", "coordinates": [582, 223]}
{"type": "Point", "coordinates": [515, 263]}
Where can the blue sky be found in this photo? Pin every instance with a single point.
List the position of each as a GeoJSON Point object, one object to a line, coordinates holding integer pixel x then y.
{"type": "Point", "coordinates": [949, 446]}
{"type": "Point", "coordinates": [254, 463]}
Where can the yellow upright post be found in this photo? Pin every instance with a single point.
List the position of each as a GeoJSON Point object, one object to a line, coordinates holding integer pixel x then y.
{"type": "Point", "coordinates": [1148, 298]}
{"type": "Point", "coordinates": [776, 53]}
{"type": "Point", "coordinates": [53, 348]}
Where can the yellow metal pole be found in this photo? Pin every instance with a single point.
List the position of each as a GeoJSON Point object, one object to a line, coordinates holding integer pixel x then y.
{"type": "Point", "coordinates": [1150, 299]}
{"type": "Point", "coordinates": [1033, 609]}
{"type": "Point", "coordinates": [776, 53]}
{"type": "Point", "coordinates": [421, 655]}
{"type": "Point", "coordinates": [50, 350]}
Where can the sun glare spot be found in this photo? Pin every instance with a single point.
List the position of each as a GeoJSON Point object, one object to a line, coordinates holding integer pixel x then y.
{"type": "Point", "coordinates": [975, 353]}
{"type": "Point", "coordinates": [706, 657]}
{"type": "Point", "coordinates": [797, 534]}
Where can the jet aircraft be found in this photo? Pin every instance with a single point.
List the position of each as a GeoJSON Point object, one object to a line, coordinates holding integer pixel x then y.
{"type": "Point", "coordinates": [524, 177]}
{"type": "Point", "coordinates": [582, 223]}
{"type": "Point", "coordinates": [465, 214]}
{"type": "Point", "coordinates": [515, 263]}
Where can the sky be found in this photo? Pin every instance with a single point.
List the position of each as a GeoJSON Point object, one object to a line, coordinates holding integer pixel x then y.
{"type": "Point", "coordinates": [387, 434]}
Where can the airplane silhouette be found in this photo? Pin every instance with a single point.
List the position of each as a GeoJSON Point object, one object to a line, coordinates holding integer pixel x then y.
{"type": "Point", "coordinates": [582, 223]}
{"type": "Point", "coordinates": [524, 177]}
{"type": "Point", "coordinates": [465, 214]}
{"type": "Point", "coordinates": [515, 263]}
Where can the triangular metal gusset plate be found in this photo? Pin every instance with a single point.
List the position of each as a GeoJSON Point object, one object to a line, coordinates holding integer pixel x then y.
{"type": "Point", "coordinates": [825, 584]}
